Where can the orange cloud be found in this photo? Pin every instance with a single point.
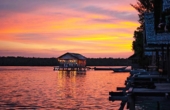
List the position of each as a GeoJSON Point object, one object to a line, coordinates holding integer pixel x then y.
{"type": "Point", "coordinates": [89, 29]}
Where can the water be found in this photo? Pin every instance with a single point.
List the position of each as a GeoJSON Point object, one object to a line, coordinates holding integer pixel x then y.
{"type": "Point", "coordinates": [43, 88]}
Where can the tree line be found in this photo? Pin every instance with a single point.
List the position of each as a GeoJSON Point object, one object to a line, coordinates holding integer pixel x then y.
{"type": "Point", "coordinates": [24, 61]}
{"type": "Point", "coordinates": [108, 62]}
{"type": "Point", "coordinates": [142, 7]}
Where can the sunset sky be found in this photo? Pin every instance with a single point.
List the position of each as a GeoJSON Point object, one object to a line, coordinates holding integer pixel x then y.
{"type": "Point", "coordinates": [50, 28]}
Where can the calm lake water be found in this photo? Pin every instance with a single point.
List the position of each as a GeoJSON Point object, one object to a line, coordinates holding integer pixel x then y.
{"type": "Point", "coordinates": [43, 88]}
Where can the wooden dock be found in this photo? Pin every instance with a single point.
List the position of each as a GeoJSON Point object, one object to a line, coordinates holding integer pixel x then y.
{"type": "Point", "coordinates": [160, 93]}
{"type": "Point", "coordinates": [68, 68]}
{"type": "Point", "coordinates": [140, 88]}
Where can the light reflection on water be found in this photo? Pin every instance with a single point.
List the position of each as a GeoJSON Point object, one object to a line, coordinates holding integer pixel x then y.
{"type": "Point", "coordinates": [43, 88]}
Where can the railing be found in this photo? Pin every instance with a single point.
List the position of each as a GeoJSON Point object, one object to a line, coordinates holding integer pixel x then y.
{"type": "Point", "coordinates": [163, 38]}
{"type": "Point", "coordinates": [151, 36]}
{"type": "Point", "coordinates": [149, 27]}
{"type": "Point", "coordinates": [166, 4]}
{"type": "Point", "coordinates": [71, 66]}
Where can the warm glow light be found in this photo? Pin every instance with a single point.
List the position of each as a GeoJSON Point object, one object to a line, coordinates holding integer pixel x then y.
{"type": "Point", "coordinates": [92, 28]}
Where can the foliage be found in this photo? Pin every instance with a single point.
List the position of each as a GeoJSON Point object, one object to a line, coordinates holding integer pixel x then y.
{"type": "Point", "coordinates": [22, 61]}
{"type": "Point", "coordinates": [107, 62]}
{"type": "Point", "coordinates": [138, 43]}
{"type": "Point", "coordinates": [141, 6]}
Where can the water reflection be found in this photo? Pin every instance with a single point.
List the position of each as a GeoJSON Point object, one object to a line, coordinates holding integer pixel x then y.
{"type": "Point", "coordinates": [42, 88]}
{"type": "Point", "coordinates": [71, 73]}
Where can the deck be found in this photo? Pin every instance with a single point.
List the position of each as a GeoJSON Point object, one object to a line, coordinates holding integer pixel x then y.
{"type": "Point", "coordinates": [159, 94]}
{"type": "Point", "coordinates": [76, 68]}
{"type": "Point", "coordinates": [143, 88]}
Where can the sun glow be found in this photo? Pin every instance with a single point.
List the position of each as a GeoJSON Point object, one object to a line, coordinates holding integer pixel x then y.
{"type": "Point", "coordinates": [94, 28]}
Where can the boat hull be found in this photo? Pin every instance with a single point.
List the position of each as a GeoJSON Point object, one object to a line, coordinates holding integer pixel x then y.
{"type": "Point", "coordinates": [121, 70]}
{"type": "Point", "coordinates": [113, 69]}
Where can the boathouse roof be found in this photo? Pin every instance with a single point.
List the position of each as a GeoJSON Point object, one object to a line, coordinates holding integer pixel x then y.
{"type": "Point", "coordinates": [74, 55]}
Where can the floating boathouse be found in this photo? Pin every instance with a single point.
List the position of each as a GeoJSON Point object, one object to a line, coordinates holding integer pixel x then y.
{"type": "Point", "coordinates": [71, 61]}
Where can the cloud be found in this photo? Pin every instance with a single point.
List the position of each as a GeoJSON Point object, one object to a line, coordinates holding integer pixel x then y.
{"type": "Point", "coordinates": [32, 5]}
{"type": "Point", "coordinates": [18, 5]}
{"type": "Point", "coordinates": [102, 20]}
{"type": "Point", "coordinates": [31, 37]}
{"type": "Point", "coordinates": [53, 27]}
{"type": "Point", "coordinates": [125, 15]}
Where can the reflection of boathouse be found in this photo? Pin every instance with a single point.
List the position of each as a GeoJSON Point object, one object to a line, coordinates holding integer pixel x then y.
{"type": "Point", "coordinates": [72, 61]}
{"type": "Point", "coordinates": [71, 73]}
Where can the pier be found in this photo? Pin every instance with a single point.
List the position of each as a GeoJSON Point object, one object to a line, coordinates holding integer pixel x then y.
{"type": "Point", "coordinates": [140, 88]}
{"type": "Point", "coordinates": [153, 86]}
{"type": "Point", "coordinates": [73, 68]}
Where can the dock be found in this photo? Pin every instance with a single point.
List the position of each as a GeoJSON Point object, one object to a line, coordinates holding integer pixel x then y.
{"type": "Point", "coordinates": [149, 90]}
{"type": "Point", "coordinates": [68, 68]}
{"type": "Point", "coordinates": [141, 88]}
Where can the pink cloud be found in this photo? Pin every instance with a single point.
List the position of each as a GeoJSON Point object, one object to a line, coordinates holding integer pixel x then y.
{"type": "Point", "coordinates": [51, 28]}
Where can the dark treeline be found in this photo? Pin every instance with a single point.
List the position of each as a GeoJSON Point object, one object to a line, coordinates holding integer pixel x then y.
{"type": "Point", "coordinates": [107, 62]}
{"type": "Point", "coordinates": [143, 6]}
{"type": "Point", "coordinates": [23, 61]}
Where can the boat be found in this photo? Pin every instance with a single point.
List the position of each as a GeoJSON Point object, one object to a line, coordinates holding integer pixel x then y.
{"type": "Point", "coordinates": [113, 69]}
{"type": "Point", "coordinates": [116, 69]}
{"type": "Point", "coordinates": [138, 71]}
{"type": "Point", "coordinates": [102, 68]}
{"type": "Point", "coordinates": [122, 70]}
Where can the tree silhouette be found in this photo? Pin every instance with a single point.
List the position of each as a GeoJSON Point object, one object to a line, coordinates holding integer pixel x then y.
{"type": "Point", "coordinates": [142, 6]}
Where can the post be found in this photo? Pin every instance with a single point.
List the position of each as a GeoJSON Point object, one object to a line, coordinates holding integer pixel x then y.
{"type": "Point", "coordinates": [158, 105]}
{"type": "Point", "coordinates": [131, 101]}
{"type": "Point", "coordinates": [168, 60]}
{"type": "Point", "coordinates": [163, 66]}
{"type": "Point", "coordinates": [122, 105]}
{"type": "Point", "coordinates": [157, 60]}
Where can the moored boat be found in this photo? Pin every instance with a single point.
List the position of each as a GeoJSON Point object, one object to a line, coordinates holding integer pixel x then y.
{"type": "Point", "coordinates": [102, 68]}
{"type": "Point", "coordinates": [138, 71]}
{"type": "Point", "coordinates": [113, 69]}
{"type": "Point", "coordinates": [119, 69]}
{"type": "Point", "coordinates": [122, 70]}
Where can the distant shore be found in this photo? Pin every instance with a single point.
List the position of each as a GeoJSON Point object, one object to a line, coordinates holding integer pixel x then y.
{"type": "Point", "coordinates": [27, 61]}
